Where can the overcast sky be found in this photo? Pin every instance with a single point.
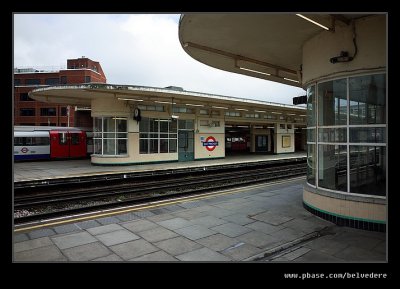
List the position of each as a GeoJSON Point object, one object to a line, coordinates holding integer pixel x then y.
{"type": "Point", "coordinates": [136, 49]}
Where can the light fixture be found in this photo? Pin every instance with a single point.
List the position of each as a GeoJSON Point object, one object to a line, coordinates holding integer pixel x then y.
{"type": "Point", "coordinates": [165, 102]}
{"type": "Point", "coordinates": [190, 104]}
{"type": "Point", "coordinates": [221, 107]}
{"type": "Point", "coordinates": [343, 57]}
{"type": "Point", "coordinates": [130, 99]}
{"type": "Point", "coordinates": [260, 111]}
{"type": "Point", "coordinates": [292, 80]}
{"type": "Point", "coordinates": [312, 21]}
{"type": "Point", "coordinates": [243, 109]}
{"type": "Point", "coordinates": [255, 71]}
{"type": "Point", "coordinates": [276, 112]}
{"type": "Point", "coordinates": [290, 114]}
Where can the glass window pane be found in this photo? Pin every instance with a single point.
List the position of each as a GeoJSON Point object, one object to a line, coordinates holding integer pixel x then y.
{"type": "Point", "coordinates": [109, 147]}
{"type": "Point", "coordinates": [144, 125]}
{"type": "Point", "coordinates": [109, 135]}
{"type": "Point", "coordinates": [368, 170]}
{"type": "Point", "coordinates": [108, 124]}
{"type": "Point", "coordinates": [97, 124]}
{"type": "Point", "coordinates": [97, 146]}
{"type": "Point", "coordinates": [311, 106]}
{"type": "Point", "coordinates": [122, 125]}
{"type": "Point", "coordinates": [154, 146]}
{"type": "Point", "coordinates": [367, 134]}
{"type": "Point", "coordinates": [121, 147]}
{"type": "Point", "coordinates": [163, 145]}
{"type": "Point", "coordinates": [172, 145]}
{"type": "Point", "coordinates": [62, 138]}
{"type": "Point", "coordinates": [172, 126]}
{"type": "Point", "coordinates": [153, 125]}
{"type": "Point", "coordinates": [332, 167]}
{"type": "Point", "coordinates": [75, 139]}
{"type": "Point", "coordinates": [311, 164]}
{"type": "Point", "coordinates": [367, 99]}
{"type": "Point", "coordinates": [311, 134]}
{"type": "Point", "coordinates": [144, 146]}
{"type": "Point", "coordinates": [163, 125]}
{"type": "Point", "coordinates": [332, 102]}
{"type": "Point", "coordinates": [332, 134]}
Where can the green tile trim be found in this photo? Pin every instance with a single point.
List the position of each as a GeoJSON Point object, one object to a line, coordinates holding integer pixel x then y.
{"type": "Point", "coordinates": [343, 216]}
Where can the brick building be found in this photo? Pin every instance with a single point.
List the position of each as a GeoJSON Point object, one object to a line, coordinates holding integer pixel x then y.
{"type": "Point", "coordinates": [30, 112]}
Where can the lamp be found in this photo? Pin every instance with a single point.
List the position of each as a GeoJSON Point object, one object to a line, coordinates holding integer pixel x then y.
{"type": "Point", "coordinates": [343, 57]}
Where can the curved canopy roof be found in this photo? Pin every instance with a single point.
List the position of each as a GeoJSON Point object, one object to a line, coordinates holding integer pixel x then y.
{"type": "Point", "coordinates": [83, 94]}
{"type": "Point", "coordinates": [267, 46]}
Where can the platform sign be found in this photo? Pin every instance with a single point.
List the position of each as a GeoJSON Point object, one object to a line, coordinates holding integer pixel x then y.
{"type": "Point", "coordinates": [210, 143]}
{"type": "Point", "coordinates": [24, 150]}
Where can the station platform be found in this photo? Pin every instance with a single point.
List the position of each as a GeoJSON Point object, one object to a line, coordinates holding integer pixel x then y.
{"type": "Point", "coordinates": [259, 223]}
{"type": "Point", "coordinates": [41, 170]}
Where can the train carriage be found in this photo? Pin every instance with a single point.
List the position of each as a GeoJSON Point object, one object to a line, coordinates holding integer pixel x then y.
{"type": "Point", "coordinates": [32, 143]}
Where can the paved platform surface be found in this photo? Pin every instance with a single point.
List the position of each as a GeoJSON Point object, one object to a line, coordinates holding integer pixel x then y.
{"type": "Point", "coordinates": [38, 170]}
{"type": "Point", "coordinates": [236, 226]}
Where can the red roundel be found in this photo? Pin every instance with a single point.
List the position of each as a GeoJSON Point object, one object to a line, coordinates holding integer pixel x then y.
{"type": "Point", "coordinates": [211, 143]}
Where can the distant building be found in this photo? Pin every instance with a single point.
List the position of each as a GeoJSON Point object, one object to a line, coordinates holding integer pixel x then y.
{"type": "Point", "coordinates": [28, 111]}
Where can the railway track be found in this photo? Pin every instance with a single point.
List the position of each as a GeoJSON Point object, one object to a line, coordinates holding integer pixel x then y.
{"type": "Point", "coordinates": [33, 203]}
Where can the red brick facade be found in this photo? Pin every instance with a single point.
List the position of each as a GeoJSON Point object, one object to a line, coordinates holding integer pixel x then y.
{"type": "Point", "coordinates": [31, 112]}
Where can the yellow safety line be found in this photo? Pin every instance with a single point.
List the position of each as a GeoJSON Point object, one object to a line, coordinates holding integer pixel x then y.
{"type": "Point", "coordinates": [180, 200]}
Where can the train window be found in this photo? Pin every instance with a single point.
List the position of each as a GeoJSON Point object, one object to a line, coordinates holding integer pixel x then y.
{"type": "Point", "coordinates": [18, 141]}
{"type": "Point", "coordinates": [62, 138]}
{"type": "Point", "coordinates": [41, 141]}
{"type": "Point", "coordinates": [75, 138]}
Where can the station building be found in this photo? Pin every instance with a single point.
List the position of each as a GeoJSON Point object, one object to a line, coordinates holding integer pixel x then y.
{"type": "Point", "coordinates": [340, 59]}
{"type": "Point", "coordinates": [136, 124]}
{"type": "Point", "coordinates": [27, 111]}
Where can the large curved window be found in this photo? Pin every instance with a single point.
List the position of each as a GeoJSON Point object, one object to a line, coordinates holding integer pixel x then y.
{"type": "Point", "coordinates": [346, 134]}
{"type": "Point", "coordinates": [110, 136]}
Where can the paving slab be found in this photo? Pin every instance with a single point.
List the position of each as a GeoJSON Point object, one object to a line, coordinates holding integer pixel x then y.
{"type": "Point", "coordinates": [87, 252]}
{"type": "Point", "coordinates": [139, 225]}
{"type": "Point", "coordinates": [133, 249]}
{"type": "Point", "coordinates": [73, 239]}
{"type": "Point", "coordinates": [259, 239]}
{"type": "Point", "coordinates": [203, 254]}
{"type": "Point", "coordinates": [157, 234]}
{"type": "Point", "coordinates": [41, 233]}
{"type": "Point", "coordinates": [195, 232]}
{"type": "Point", "coordinates": [20, 237]}
{"type": "Point", "coordinates": [88, 224]}
{"type": "Point", "coordinates": [104, 229]}
{"type": "Point", "coordinates": [175, 223]}
{"type": "Point", "coordinates": [177, 245]}
{"type": "Point", "coordinates": [67, 228]}
{"type": "Point", "coordinates": [32, 244]}
{"type": "Point", "coordinates": [43, 254]}
{"type": "Point", "coordinates": [264, 227]}
{"type": "Point", "coordinates": [271, 218]}
{"type": "Point", "coordinates": [240, 251]}
{"type": "Point", "coordinates": [109, 258]}
{"type": "Point", "coordinates": [117, 237]}
{"type": "Point", "coordinates": [159, 256]}
{"type": "Point", "coordinates": [217, 242]}
{"type": "Point", "coordinates": [239, 219]}
{"type": "Point", "coordinates": [208, 221]}
{"type": "Point", "coordinates": [231, 229]}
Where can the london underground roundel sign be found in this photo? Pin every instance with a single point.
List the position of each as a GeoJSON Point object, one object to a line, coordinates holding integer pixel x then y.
{"type": "Point", "coordinates": [210, 143]}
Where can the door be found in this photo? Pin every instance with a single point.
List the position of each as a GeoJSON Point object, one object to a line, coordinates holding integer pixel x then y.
{"type": "Point", "coordinates": [77, 146]}
{"type": "Point", "coordinates": [185, 145]}
{"type": "Point", "coordinates": [261, 143]}
{"type": "Point", "coordinates": [59, 144]}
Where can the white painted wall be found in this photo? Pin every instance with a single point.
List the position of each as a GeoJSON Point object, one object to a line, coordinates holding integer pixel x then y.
{"type": "Point", "coordinates": [371, 43]}
{"type": "Point", "coordinates": [279, 133]}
